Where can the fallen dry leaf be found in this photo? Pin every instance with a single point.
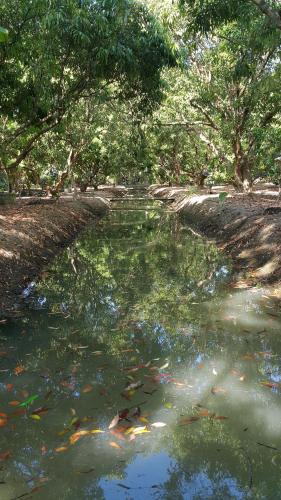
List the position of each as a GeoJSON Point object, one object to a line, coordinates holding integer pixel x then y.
{"type": "Point", "coordinates": [77, 435]}
{"type": "Point", "coordinates": [5, 455]}
{"type": "Point", "coordinates": [87, 388]}
{"type": "Point", "coordinates": [19, 369]}
{"type": "Point", "coordinates": [114, 422]}
{"type": "Point", "coordinates": [114, 445]}
{"type": "Point", "coordinates": [188, 420]}
{"type": "Point", "coordinates": [218, 390]}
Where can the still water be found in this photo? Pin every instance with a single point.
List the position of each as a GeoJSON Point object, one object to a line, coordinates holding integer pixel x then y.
{"type": "Point", "coordinates": [138, 372]}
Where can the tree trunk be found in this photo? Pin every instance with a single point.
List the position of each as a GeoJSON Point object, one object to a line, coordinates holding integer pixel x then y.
{"type": "Point", "coordinates": [83, 187]}
{"type": "Point", "coordinates": [242, 169]}
{"type": "Point", "coordinates": [242, 173]}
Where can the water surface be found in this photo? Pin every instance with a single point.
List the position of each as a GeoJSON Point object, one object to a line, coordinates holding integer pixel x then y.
{"type": "Point", "coordinates": [138, 318]}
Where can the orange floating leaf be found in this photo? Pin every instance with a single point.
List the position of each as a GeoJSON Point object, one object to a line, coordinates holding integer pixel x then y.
{"type": "Point", "coordinates": [117, 433]}
{"type": "Point", "coordinates": [271, 385]}
{"type": "Point", "coordinates": [5, 455]}
{"type": "Point", "coordinates": [188, 420]}
{"type": "Point", "coordinates": [14, 403]}
{"type": "Point", "coordinates": [60, 449]}
{"type": "Point", "coordinates": [9, 387]}
{"type": "Point", "coordinates": [204, 412]}
{"type": "Point", "coordinates": [114, 445]}
{"type": "Point", "coordinates": [19, 369]}
{"type": "Point", "coordinates": [77, 435]}
{"type": "Point", "coordinates": [248, 357]}
{"type": "Point", "coordinates": [87, 388]}
{"type": "Point", "coordinates": [3, 421]}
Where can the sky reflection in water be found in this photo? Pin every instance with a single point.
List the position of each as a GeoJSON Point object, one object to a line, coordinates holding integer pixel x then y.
{"type": "Point", "coordinates": [140, 300]}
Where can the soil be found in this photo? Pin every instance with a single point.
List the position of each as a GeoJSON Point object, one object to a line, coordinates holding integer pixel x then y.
{"type": "Point", "coordinates": [246, 227]}
{"type": "Point", "coordinates": [32, 233]}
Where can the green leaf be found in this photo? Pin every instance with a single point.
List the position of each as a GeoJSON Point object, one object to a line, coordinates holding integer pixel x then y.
{"type": "Point", "coordinates": [29, 400]}
{"type": "Point", "coordinates": [4, 34]}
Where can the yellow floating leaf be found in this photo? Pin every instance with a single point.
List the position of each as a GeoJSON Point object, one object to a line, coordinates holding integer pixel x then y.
{"type": "Point", "coordinates": [143, 420]}
{"type": "Point", "coordinates": [35, 417]}
{"type": "Point", "coordinates": [140, 430]}
{"type": "Point", "coordinates": [96, 431]}
{"type": "Point", "coordinates": [60, 449]}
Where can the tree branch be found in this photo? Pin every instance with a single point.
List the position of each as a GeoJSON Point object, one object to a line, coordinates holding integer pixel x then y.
{"type": "Point", "coordinates": [272, 14]}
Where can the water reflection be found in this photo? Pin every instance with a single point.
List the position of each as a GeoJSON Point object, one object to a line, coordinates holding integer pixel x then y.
{"type": "Point", "coordinates": [137, 320]}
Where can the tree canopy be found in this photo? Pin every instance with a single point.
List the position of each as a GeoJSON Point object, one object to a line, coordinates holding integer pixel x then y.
{"type": "Point", "coordinates": [130, 91]}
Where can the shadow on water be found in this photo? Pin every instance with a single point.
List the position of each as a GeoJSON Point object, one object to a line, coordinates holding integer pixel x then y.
{"type": "Point", "coordinates": [137, 319]}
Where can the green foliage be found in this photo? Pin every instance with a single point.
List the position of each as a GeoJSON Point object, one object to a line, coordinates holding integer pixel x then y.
{"type": "Point", "coordinates": [4, 35]}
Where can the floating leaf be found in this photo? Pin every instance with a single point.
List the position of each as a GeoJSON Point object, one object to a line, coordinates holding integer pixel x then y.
{"type": "Point", "coordinates": [77, 435]}
{"type": "Point", "coordinates": [117, 433]}
{"type": "Point", "coordinates": [114, 445]}
{"type": "Point", "coordinates": [123, 414]}
{"type": "Point", "coordinates": [3, 419]}
{"type": "Point", "coordinates": [18, 412]}
{"type": "Point", "coordinates": [35, 417]}
{"type": "Point", "coordinates": [188, 420]}
{"type": "Point", "coordinates": [29, 400]}
{"type": "Point", "coordinates": [220, 417]}
{"type": "Point", "coordinates": [140, 430]}
{"type": "Point", "coordinates": [143, 420]}
{"type": "Point", "coordinates": [123, 486]}
{"type": "Point", "coordinates": [14, 403]}
{"type": "Point", "coordinates": [60, 449]}
{"type": "Point", "coordinates": [87, 388]}
{"type": "Point", "coordinates": [134, 386]}
{"type": "Point", "coordinates": [168, 405]}
{"type": "Point", "coordinates": [248, 357]}
{"type": "Point", "coordinates": [218, 390]}
{"type": "Point", "coordinates": [5, 455]}
{"type": "Point", "coordinates": [9, 387]}
{"type": "Point", "coordinates": [40, 411]}
{"type": "Point", "coordinates": [19, 369]}
{"type": "Point", "coordinates": [114, 422]}
{"type": "Point", "coordinates": [271, 385]}
{"type": "Point", "coordinates": [164, 366]}
{"type": "Point", "coordinates": [96, 431]}
{"type": "Point", "coordinates": [158, 424]}
{"type": "Point", "coordinates": [203, 412]}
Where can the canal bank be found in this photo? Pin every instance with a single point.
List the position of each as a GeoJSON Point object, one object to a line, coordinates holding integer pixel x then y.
{"type": "Point", "coordinates": [246, 227]}
{"type": "Point", "coordinates": [32, 233]}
